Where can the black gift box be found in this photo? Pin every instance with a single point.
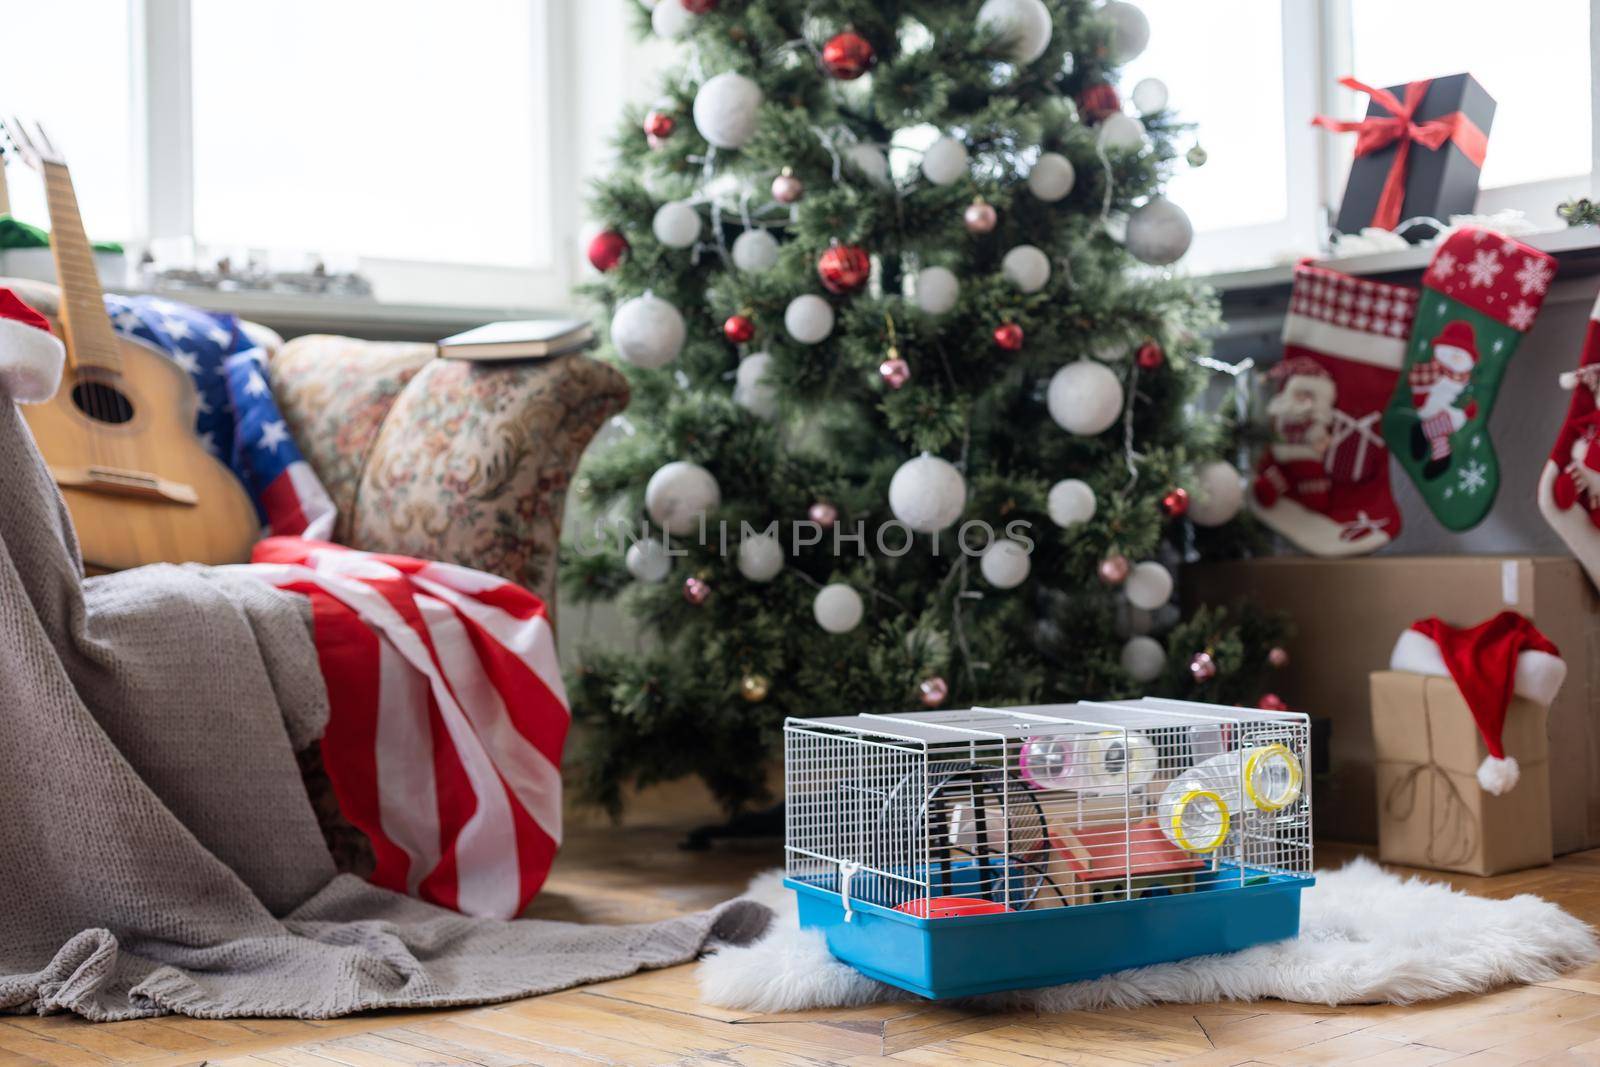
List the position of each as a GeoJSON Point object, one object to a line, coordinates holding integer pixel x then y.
{"type": "Point", "coordinates": [1438, 183]}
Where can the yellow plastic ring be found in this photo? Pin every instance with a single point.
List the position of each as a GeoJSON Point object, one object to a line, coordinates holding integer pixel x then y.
{"type": "Point", "coordinates": [1296, 778]}
{"type": "Point", "coordinates": [1177, 821]}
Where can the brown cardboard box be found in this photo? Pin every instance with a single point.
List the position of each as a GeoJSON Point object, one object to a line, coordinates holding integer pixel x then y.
{"type": "Point", "coordinates": [1348, 614]}
{"type": "Point", "coordinates": [1431, 810]}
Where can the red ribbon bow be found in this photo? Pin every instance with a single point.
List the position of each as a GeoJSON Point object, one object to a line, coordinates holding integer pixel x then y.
{"type": "Point", "coordinates": [1377, 132]}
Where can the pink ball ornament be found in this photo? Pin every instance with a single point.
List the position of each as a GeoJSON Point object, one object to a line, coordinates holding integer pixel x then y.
{"type": "Point", "coordinates": [895, 372]}
{"type": "Point", "coordinates": [696, 591]}
{"type": "Point", "coordinates": [980, 217]}
{"type": "Point", "coordinates": [1114, 569]}
{"type": "Point", "coordinates": [1278, 656]}
{"type": "Point", "coordinates": [933, 691]}
{"type": "Point", "coordinates": [1271, 702]}
{"type": "Point", "coordinates": [823, 513]}
{"type": "Point", "coordinates": [1203, 667]}
{"type": "Point", "coordinates": [786, 188]}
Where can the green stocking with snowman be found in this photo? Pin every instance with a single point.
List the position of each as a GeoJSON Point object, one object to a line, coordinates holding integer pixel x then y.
{"type": "Point", "coordinates": [1480, 295]}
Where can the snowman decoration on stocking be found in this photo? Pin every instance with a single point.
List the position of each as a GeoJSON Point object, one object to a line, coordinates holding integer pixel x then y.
{"type": "Point", "coordinates": [1302, 425]}
{"type": "Point", "coordinates": [1436, 388]}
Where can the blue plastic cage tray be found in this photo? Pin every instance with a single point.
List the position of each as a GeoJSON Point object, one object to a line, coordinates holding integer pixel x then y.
{"type": "Point", "coordinates": [966, 955]}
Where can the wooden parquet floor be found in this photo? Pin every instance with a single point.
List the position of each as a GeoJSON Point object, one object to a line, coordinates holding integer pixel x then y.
{"type": "Point", "coordinates": [637, 873]}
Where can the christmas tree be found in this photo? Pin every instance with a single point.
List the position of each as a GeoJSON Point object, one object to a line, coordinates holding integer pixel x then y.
{"type": "Point", "coordinates": [914, 413]}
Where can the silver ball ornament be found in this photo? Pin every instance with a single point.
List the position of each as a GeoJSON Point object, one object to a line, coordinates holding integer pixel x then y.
{"type": "Point", "coordinates": [676, 224]}
{"type": "Point", "coordinates": [1027, 268]}
{"type": "Point", "coordinates": [1150, 96]}
{"type": "Point", "coordinates": [809, 319]}
{"type": "Point", "coordinates": [1005, 564]}
{"type": "Point", "coordinates": [1130, 30]}
{"type": "Point", "coordinates": [648, 332]}
{"type": "Point", "coordinates": [726, 109]}
{"type": "Point", "coordinates": [1023, 27]}
{"type": "Point", "coordinates": [1143, 658]}
{"type": "Point", "coordinates": [1085, 398]}
{"type": "Point", "coordinates": [838, 608]}
{"type": "Point", "coordinates": [1071, 503]}
{"type": "Point", "coordinates": [937, 290]}
{"type": "Point", "coordinates": [648, 561]}
{"type": "Point", "coordinates": [1052, 177]}
{"type": "Point", "coordinates": [755, 251]}
{"type": "Point", "coordinates": [678, 494]}
{"type": "Point", "coordinates": [945, 162]}
{"type": "Point", "coordinates": [1159, 233]}
{"type": "Point", "coordinates": [927, 494]}
{"type": "Point", "coordinates": [751, 389]}
{"type": "Point", "coordinates": [760, 557]}
{"type": "Point", "coordinates": [1149, 585]}
{"type": "Point", "coordinates": [1216, 494]}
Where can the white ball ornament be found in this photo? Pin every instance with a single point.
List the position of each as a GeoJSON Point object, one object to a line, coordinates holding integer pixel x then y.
{"type": "Point", "coordinates": [938, 289]}
{"type": "Point", "coordinates": [1216, 495]}
{"type": "Point", "coordinates": [1121, 133]}
{"type": "Point", "coordinates": [678, 494]}
{"type": "Point", "coordinates": [1071, 503]}
{"type": "Point", "coordinates": [670, 19]}
{"type": "Point", "coordinates": [1005, 564]}
{"type": "Point", "coordinates": [1130, 30]}
{"type": "Point", "coordinates": [1143, 658]}
{"type": "Point", "coordinates": [1085, 398]}
{"type": "Point", "coordinates": [726, 108]}
{"type": "Point", "coordinates": [809, 319]}
{"type": "Point", "coordinates": [1159, 233]}
{"type": "Point", "coordinates": [1027, 268]}
{"type": "Point", "coordinates": [1052, 178]}
{"type": "Point", "coordinates": [755, 251]}
{"type": "Point", "coordinates": [760, 557]}
{"type": "Point", "coordinates": [1023, 27]}
{"type": "Point", "coordinates": [648, 561]}
{"type": "Point", "coordinates": [1150, 96]}
{"type": "Point", "coordinates": [870, 161]}
{"type": "Point", "coordinates": [945, 162]}
{"type": "Point", "coordinates": [1148, 586]}
{"type": "Point", "coordinates": [751, 390]}
{"type": "Point", "coordinates": [648, 332]}
{"type": "Point", "coordinates": [838, 608]}
{"type": "Point", "coordinates": [676, 225]}
{"type": "Point", "coordinates": [927, 494]}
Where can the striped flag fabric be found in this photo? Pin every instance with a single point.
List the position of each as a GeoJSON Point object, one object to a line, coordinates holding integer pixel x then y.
{"type": "Point", "coordinates": [238, 420]}
{"type": "Point", "coordinates": [448, 719]}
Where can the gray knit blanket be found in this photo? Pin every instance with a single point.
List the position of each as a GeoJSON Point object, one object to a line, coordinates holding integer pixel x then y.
{"type": "Point", "coordinates": [158, 851]}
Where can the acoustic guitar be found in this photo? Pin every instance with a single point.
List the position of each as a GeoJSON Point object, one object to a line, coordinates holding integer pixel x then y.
{"type": "Point", "coordinates": [119, 434]}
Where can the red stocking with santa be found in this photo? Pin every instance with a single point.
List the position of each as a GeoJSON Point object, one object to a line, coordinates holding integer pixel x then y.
{"type": "Point", "coordinates": [1323, 482]}
{"type": "Point", "coordinates": [1569, 488]}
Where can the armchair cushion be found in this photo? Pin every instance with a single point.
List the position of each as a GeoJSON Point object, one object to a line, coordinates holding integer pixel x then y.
{"type": "Point", "coordinates": [473, 462]}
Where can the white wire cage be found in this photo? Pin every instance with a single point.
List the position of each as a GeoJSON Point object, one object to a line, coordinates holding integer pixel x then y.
{"type": "Point", "coordinates": [947, 813]}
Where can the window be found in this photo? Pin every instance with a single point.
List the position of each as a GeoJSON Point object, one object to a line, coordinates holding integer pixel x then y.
{"type": "Point", "coordinates": [72, 88]}
{"type": "Point", "coordinates": [398, 129]}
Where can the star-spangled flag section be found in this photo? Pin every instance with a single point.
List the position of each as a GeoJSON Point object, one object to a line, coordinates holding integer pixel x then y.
{"type": "Point", "coordinates": [238, 420]}
{"type": "Point", "coordinates": [447, 719]}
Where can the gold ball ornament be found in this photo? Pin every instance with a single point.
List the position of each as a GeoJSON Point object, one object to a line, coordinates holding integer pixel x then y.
{"type": "Point", "coordinates": [754, 688]}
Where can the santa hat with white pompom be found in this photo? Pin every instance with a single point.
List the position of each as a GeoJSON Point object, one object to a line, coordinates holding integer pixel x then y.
{"type": "Point", "coordinates": [1490, 663]}
{"type": "Point", "coordinates": [30, 355]}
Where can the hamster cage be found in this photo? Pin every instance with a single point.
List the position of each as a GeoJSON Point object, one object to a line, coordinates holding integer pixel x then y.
{"type": "Point", "coordinates": [952, 853]}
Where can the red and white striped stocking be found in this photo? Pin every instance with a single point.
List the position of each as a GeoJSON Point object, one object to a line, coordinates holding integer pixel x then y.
{"type": "Point", "coordinates": [1569, 488]}
{"type": "Point", "coordinates": [1323, 483]}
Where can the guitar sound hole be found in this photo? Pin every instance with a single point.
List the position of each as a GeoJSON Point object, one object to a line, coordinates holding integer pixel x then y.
{"type": "Point", "coordinates": [102, 402]}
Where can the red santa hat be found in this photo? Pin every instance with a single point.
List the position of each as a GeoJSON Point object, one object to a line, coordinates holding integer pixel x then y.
{"type": "Point", "coordinates": [1490, 663]}
{"type": "Point", "coordinates": [30, 355]}
{"type": "Point", "coordinates": [1458, 335]}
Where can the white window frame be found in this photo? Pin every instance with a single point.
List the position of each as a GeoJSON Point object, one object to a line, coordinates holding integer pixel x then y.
{"type": "Point", "coordinates": [162, 134]}
{"type": "Point", "coordinates": [1317, 165]}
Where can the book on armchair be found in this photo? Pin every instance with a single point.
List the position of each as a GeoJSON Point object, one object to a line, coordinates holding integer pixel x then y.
{"type": "Point", "coordinates": [525, 339]}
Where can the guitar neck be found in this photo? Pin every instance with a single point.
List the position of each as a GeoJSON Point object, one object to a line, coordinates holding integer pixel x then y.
{"type": "Point", "coordinates": [90, 339]}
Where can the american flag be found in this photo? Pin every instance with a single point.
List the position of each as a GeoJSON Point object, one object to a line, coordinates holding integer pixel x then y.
{"type": "Point", "coordinates": [238, 420]}
{"type": "Point", "coordinates": [448, 719]}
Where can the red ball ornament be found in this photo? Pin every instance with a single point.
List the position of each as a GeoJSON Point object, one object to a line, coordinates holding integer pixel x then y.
{"type": "Point", "coordinates": [980, 217]}
{"type": "Point", "coordinates": [659, 125]}
{"type": "Point", "coordinates": [1095, 102]}
{"type": "Point", "coordinates": [1150, 356]}
{"type": "Point", "coordinates": [823, 513]}
{"type": "Point", "coordinates": [1271, 702]}
{"type": "Point", "coordinates": [1278, 656]}
{"type": "Point", "coordinates": [1114, 569]}
{"type": "Point", "coordinates": [1009, 337]}
{"type": "Point", "coordinates": [844, 268]}
{"type": "Point", "coordinates": [1203, 667]}
{"type": "Point", "coordinates": [699, 7]}
{"type": "Point", "coordinates": [933, 691]}
{"type": "Point", "coordinates": [607, 250]}
{"type": "Point", "coordinates": [695, 591]}
{"type": "Point", "coordinates": [848, 55]}
{"type": "Point", "coordinates": [739, 329]}
{"type": "Point", "coordinates": [895, 372]}
{"type": "Point", "coordinates": [786, 188]}
{"type": "Point", "coordinates": [1175, 505]}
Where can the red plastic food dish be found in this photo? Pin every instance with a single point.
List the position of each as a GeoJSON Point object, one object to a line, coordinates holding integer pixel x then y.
{"type": "Point", "coordinates": [948, 907]}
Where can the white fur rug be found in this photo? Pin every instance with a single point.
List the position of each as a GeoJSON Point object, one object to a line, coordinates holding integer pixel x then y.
{"type": "Point", "coordinates": [1366, 937]}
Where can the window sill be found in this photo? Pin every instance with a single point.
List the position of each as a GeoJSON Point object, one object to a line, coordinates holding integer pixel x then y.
{"type": "Point", "coordinates": [373, 320]}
